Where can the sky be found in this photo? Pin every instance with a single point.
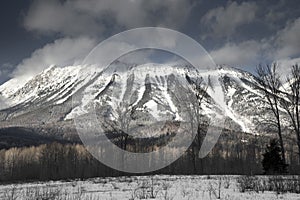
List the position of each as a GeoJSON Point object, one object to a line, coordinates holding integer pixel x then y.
{"type": "Point", "coordinates": [37, 33]}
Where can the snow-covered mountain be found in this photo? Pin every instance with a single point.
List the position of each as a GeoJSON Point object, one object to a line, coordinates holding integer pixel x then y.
{"type": "Point", "coordinates": [149, 92]}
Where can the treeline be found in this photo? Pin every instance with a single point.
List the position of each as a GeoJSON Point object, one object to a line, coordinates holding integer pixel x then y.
{"type": "Point", "coordinates": [233, 154]}
{"type": "Point", "coordinates": [48, 161]}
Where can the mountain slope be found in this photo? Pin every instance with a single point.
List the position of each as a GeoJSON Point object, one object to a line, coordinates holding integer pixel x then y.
{"type": "Point", "coordinates": [150, 92]}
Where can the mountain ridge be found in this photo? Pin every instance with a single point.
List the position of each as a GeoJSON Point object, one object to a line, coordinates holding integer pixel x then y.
{"type": "Point", "coordinates": [149, 89]}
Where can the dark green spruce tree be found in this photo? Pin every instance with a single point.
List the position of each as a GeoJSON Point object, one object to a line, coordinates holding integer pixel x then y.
{"type": "Point", "coordinates": [273, 162]}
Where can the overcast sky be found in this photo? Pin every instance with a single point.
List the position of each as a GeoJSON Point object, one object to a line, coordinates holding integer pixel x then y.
{"type": "Point", "coordinates": [243, 34]}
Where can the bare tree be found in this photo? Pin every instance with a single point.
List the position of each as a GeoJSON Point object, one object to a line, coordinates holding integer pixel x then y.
{"type": "Point", "coordinates": [192, 99]}
{"type": "Point", "coordinates": [292, 101]}
{"type": "Point", "coordinates": [123, 117]}
{"type": "Point", "coordinates": [270, 80]}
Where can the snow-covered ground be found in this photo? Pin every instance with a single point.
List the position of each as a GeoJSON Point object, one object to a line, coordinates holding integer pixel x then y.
{"type": "Point", "coordinates": [144, 187]}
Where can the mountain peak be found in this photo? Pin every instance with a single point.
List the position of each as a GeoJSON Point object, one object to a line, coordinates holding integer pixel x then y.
{"type": "Point", "coordinates": [152, 88]}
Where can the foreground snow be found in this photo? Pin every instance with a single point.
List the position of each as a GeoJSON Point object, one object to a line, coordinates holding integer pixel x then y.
{"type": "Point", "coordinates": [145, 187]}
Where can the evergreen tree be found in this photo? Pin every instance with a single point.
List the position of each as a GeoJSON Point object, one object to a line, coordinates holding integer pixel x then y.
{"type": "Point", "coordinates": [273, 162]}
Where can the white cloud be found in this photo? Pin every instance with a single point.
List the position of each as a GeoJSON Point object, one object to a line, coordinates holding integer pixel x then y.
{"type": "Point", "coordinates": [137, 57]}
{"type": "Point", "coordinates": [5, 69]}
{"type": "Point", "coordinates": [288, 62]}
{"type": "Point", "coordinates": [287, 41]}
{"type": "Point", "coordinates": [285, 66]}
{"type": "Point", "coordinates": [243, 54]}
{"type": "Point", "coordinates": [55, 17]}
{"type": "Point", "coordinates": [282, 47]}
{"type": "Point", "coordinates": [223, 21]}
{"type": "Point", "coordinates": [93, 17]}
{"type": "Point", "coordinates": [61, 52]}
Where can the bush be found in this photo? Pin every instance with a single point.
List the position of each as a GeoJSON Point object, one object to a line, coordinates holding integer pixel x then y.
{"type": "Point", "coordinates": [249, 183]}
{"type": "Point", "coordinates": [278, 184]}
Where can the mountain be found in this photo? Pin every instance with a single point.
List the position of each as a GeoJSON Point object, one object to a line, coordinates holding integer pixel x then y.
{"type": "Point", "coordinates": [146, 93]}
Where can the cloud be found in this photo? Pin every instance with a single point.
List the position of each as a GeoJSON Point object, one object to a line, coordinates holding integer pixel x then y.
{"type": "Point", "coordinates": [57, 17]}
{"type": "Point", "coordinates": [243, 54]}
{"type": "Point", "coordinates": [61, 52]}
{"type": "Point", "coordinates": [5, 69]}
{"type": "Point", "coordinates": [223, 21]}
{"type": "Point", "coordinates": [282, 47]}
{"type": "Point", "coordinates": [287, 41]}
{"type": "Point", "coordinates": [94, 18]}
{"type": "Point", "coordinates": [288, 62]}
{"type": "Point", "coordinates": [84, 19]}
{"type": "Point", "coordinates": [285, 66]}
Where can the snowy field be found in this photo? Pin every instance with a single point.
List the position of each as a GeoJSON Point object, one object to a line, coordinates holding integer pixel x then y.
{"type": "Point", "coordinates": [144, 187]}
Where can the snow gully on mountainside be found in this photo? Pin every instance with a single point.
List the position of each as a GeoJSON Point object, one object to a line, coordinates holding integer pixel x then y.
{"type": "Point", "coordinates": [54, 87]}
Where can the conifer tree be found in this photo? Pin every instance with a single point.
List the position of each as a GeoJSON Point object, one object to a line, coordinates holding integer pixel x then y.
{"type": "Point", "coordinates": [273, 162]}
